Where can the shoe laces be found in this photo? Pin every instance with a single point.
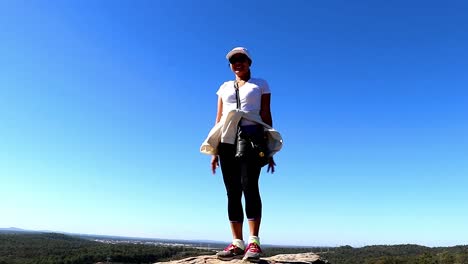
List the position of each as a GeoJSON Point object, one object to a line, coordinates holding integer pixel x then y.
{"type": "Point", "coordinates": [253, 247]}
{"type": "Point", "coordinates": [230, 247]}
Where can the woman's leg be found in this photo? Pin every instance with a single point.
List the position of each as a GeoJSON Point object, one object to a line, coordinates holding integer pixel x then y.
{"type": "Point", "coordinates": [254, 226]}
{"type": "Point", "coordinates": [236, 229]}
{"type": "Point", "coordinates": [253, 207]}
{"type": "Point", "coordinates": [232, 181]}
{"type": "Point", "coordinates": [250, 172]}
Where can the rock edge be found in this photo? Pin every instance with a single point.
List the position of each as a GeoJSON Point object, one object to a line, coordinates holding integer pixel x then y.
{"type": "Point", "coordinates": [301, 258]}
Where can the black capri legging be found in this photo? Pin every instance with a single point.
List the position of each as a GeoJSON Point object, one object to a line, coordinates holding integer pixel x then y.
{"type": "Point", "coordinates": [240, 176]}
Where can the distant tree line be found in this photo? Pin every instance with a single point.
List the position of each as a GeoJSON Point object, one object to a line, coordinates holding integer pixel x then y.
{"type": "Point", "coordinates": [51, 248]}
{"type": "Point", "coordinates": [272, 251]}
{"type": "Point", "coordinates": [398, 254]}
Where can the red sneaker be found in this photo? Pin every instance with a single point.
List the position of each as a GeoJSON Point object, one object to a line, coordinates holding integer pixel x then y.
{"type": "Point", "coordinates": [230, 252]}
{"type": "Point", "coordinates": [253, 252]}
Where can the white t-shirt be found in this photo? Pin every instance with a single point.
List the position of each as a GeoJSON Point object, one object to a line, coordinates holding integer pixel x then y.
{"type": "Point", "coordinates": [250, 95]}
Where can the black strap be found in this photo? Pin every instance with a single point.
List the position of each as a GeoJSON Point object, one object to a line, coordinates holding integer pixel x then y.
{"type": "Point", "coordinates": [236, 87]}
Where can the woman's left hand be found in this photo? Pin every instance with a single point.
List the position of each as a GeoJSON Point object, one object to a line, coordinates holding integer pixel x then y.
{"type": "Point", "coordinates": [271, 165]}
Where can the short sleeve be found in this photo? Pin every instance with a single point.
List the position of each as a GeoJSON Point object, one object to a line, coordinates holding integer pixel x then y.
{"type": "Point", "coordinates": [221, 89]}
{"type": "Point", "coordinates": [265, 87]}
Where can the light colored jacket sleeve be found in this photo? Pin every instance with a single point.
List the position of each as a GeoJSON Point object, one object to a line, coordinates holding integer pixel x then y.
{"type": "Point", "coordinates": [274, 141]}
{"type": "Point", "coordinates": [210, 145]}
{"type": "Point", "coordinates": [224, 131]}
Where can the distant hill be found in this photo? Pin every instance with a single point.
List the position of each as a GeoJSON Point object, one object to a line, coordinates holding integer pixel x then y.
{"type": "Point", "coordinates": [400, 254]}
{"type": "Point", "coordinates": [197, 243]}
{"type": "Point", "coordinates": [12, 229]}
{"type": "Point", "coordinates": [25, 248]}
{"type": "Point", "coordinates": [28, 248]}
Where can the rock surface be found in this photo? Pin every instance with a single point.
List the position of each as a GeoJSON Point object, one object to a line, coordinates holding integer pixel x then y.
{"type": "Point", "coordinates": [302, 258]}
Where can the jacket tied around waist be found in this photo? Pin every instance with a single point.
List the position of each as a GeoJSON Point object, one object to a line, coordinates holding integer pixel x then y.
{"type": "Point", "coordinates": [225, 131]}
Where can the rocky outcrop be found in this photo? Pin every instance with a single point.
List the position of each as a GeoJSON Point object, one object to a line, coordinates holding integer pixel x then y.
{"type": "Point", "coordinates": [302, 258]}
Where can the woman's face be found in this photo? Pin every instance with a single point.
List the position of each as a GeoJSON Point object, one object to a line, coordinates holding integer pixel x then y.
{"type": "Point", "coordinates": [240, 64]}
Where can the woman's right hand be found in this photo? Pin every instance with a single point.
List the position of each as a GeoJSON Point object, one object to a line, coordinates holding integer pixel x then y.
{"type": "Point", "coordinates": [271, 165]}
{"type": "Point", "coordinates": [214, 163]}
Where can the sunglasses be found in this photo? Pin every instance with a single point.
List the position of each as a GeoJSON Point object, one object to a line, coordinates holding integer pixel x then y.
{"type": "Point", "coordinates": [237, 59]}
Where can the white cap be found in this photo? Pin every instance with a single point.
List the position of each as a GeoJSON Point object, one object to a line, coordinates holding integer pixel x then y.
{"type": "Point", "coordinates": [238, 50]}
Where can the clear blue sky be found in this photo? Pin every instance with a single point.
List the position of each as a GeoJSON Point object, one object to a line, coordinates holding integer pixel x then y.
{"type": "Point", "coordinates": [104, 105]}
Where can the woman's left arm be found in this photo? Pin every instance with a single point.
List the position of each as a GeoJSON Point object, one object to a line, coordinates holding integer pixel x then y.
{"type": "Point", "coordinates": [265, 112]}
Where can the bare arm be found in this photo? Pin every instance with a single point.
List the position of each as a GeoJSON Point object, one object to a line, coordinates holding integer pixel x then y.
{"type": "Point", "coordinates": [219, 113]}
{"type": "Point", "coordinates": [265, 112]}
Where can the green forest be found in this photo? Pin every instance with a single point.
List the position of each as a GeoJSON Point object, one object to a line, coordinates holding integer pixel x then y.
{"type": "Point", "coordinates": [51, 248]}
{"type": "Point", "coordinates": [397, 254]}
{"type": "Point", "coordinates": [45, 248]}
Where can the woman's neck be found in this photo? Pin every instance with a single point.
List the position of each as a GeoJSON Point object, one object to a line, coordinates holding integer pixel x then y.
{"type": "Point", "coordinates": [244, 77]}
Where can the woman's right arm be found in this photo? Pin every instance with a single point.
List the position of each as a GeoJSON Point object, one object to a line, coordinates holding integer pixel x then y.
{"type": "Point", "coordinates": [219, 113]}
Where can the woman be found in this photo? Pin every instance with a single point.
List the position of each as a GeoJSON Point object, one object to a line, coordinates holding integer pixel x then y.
{"type": "Point", "coordinates": [241, 174]}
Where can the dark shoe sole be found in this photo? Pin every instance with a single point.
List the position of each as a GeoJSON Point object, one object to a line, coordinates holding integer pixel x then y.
{"type": "Point", "coordinates": [229, 258]}
{"type": "Point", "coordinates": [254, 260]}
